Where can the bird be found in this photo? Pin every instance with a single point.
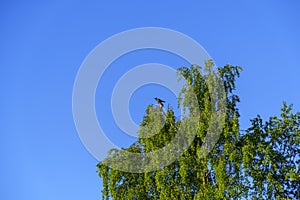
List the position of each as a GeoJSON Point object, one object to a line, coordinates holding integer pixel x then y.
{"type": "Point", "coordinates": [160, 102]}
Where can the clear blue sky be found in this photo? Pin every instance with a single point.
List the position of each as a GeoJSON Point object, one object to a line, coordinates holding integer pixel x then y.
{"type": "Point", "coordinates": [43, 44]}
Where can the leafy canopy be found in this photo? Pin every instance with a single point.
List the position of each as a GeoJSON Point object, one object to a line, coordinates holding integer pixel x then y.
{"type": "Point", "coordinates": [259, 163]}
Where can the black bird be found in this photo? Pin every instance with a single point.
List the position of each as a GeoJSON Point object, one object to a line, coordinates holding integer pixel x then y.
{"type": "Point", "coordinates": [159, 101]}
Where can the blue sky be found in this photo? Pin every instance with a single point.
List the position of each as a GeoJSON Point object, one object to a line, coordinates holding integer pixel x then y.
{"type": "Point", "coordinates": [44, 43]}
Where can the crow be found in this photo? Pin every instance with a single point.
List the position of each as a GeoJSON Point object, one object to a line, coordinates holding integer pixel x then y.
{"type": "Point", "coordinates": [159, 101]}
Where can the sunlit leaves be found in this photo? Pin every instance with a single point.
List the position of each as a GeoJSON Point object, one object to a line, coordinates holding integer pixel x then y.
{"type": "Point", "coordinates": [259, 163]}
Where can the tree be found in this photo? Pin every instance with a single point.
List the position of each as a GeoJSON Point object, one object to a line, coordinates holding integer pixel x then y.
{"type": "Point", "coordinates": [259, 163]}
{"type": "Point", "coordinates": [271, 156]}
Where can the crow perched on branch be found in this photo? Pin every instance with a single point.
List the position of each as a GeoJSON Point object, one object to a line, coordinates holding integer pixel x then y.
{"type": "Point", "coordinates": [160, 102]}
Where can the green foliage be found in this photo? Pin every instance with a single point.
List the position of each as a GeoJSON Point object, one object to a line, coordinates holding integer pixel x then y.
{"type": "Point", "coordinates": [271, 156]}
{"type": "Point", "coordinates": [260, 163]}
